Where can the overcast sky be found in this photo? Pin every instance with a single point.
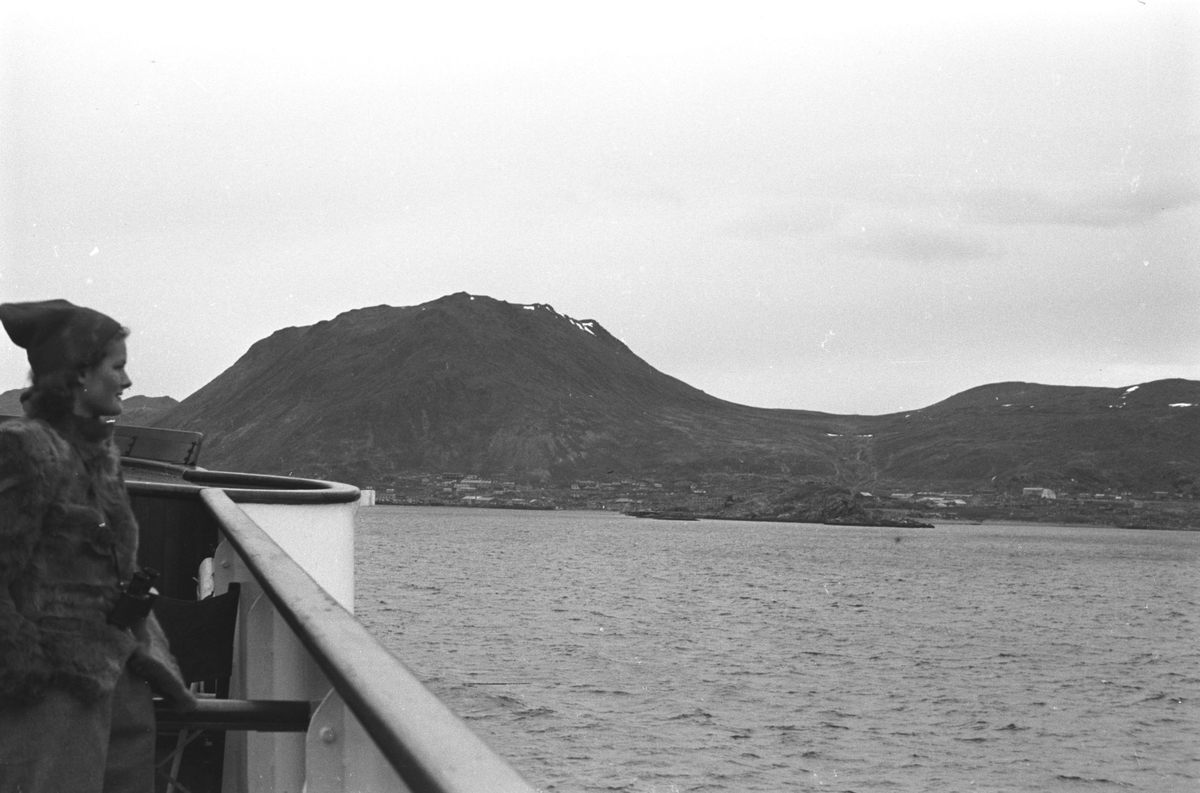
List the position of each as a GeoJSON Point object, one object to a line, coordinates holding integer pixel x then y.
{"type": "Point", "coordinates": [849, 207]}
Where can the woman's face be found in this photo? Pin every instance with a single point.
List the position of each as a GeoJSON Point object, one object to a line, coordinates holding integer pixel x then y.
{"type": "Point", "coordinates": [100, 387]}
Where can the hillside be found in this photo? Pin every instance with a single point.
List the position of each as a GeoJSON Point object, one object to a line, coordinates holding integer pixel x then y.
{"type": "Point", "coordinates": [144, 410]}
{"type": "Point", "coordinates": [1140, 438]}
{"type": "Point", "coordinates": [472, 384]}
{"type": "Point", "coordinates": [10, 402]}
{"type": "Point", "coordinates": [475, 384]}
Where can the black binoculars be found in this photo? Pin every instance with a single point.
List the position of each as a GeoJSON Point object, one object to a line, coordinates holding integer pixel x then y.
{"type": "Point", "coordinates": [137, 598]}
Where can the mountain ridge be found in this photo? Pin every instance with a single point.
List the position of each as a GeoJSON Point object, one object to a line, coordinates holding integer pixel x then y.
{"type": "Point", "coordinates": [136, 410]}
{"type": "Point", "coordinates": [476, 384]}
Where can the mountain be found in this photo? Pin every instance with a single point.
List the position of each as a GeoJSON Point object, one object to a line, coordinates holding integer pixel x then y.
{"type": "Point", "coordinates": [472, 384]}
{"type": "Point", "coordinates": [1140, 438]}
{"type": "Point", "coordinates": [10, 402]}
{"type": "Point", "coordinates": [142, 410]}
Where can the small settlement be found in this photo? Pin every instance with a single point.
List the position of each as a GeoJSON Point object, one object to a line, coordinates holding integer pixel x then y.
{"type": "Point", "coordinates": [762, 497]}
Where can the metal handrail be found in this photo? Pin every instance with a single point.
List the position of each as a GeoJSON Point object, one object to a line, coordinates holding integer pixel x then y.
{"type": "Point", "coordinates": [181, 481]}
{"type": "Point", "coordinates": [427, 745]}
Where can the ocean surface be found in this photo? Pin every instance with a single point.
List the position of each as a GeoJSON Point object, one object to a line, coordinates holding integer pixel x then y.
{"type": "Point", "coordinates": [601, 653]}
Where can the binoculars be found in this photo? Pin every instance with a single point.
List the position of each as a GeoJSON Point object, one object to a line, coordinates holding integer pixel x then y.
{"type": "Point", "coordinates": [137, 598]}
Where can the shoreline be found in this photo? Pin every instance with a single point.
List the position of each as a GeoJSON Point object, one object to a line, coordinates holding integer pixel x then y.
{"type": "Point", "coordinates": [924, 524]}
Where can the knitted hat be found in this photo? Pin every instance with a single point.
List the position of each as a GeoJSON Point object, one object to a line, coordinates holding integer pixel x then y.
{"type": "Point", "coordinates": [56, 334]}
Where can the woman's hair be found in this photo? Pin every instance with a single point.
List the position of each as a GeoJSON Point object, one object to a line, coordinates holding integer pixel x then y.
{"type": "Point", "coordinates": [52, 394]}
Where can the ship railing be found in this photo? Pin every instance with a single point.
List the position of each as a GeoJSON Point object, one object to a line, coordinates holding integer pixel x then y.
{"type": "Point", "coordinates": [289, 544]}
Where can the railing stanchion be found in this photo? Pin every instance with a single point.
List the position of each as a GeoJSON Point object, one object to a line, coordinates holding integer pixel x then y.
{"type": "Point", "coordinates": [340, 755]}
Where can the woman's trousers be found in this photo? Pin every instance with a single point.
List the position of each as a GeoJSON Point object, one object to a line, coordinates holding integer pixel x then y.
{"type": "Point", "coordinates": [60, 745]}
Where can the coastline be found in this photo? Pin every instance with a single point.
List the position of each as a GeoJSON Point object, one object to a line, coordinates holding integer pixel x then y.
{"type": "Point", "coordinates": [925, 522]}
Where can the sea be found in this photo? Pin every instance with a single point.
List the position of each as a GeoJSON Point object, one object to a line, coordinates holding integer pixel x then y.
{"type": "Point", "coordinates": [600, 652]}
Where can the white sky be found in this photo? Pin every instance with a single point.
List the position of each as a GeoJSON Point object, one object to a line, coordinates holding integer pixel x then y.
{"type": "Point", "coordinates": [850, 207]}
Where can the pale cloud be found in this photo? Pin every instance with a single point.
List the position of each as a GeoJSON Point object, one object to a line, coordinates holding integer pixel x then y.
{"type": "Point", "coordinates": [1130, 201]}
{"type": "Point", "coordinates": [881, 231]}
{"type": "Point", "coordinates": [912, 214]}
{"type": "Point", "coordinates": [914, 243]}
{"type": "Point", "coordinates": [793, 219]}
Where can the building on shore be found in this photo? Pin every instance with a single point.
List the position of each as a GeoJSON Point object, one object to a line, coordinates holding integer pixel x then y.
{"type": "Point", "coordinates": [1038, 492]}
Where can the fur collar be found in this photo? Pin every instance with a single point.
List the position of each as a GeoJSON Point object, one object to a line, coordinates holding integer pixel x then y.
{"type": "Point", "coordinates": [84, 431]}
{"type": "Point", "coordinates": [91, 437]}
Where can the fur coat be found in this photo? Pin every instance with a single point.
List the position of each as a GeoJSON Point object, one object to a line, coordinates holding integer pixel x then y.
{"type": "Point", "coordinates": [68, 539]}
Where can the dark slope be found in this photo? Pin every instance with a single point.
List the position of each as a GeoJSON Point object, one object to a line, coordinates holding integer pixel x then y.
{"type": "Point", "coordinates": [477, 385]}
{"type": "Point", "coordinates": [1141, 438]}
{"type": "Point", "coordinates": [143, 410]}
{"type": "Point", "coordinates": [10, 402]}
{"type": "Point", "coordinates": [139, 410]}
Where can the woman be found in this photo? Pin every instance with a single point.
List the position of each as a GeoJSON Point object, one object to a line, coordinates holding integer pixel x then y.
{"type": "Point", "coordinates": [76, 714]}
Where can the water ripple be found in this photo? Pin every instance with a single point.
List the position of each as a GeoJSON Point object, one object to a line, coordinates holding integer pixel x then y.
{"type": "Point", "coordinates": [599, 652]}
